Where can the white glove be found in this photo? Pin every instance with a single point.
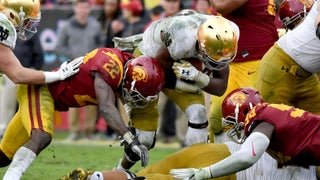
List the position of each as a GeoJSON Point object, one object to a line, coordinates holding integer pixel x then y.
{"type": "Point", "coordinates": [66, 70]}
{"type": "Point", "coordinates": [191, 173]}
{"type": "Point", "coordinates": [70, 68]}
{"type": "Point", "coordinates": [187, 87]}
{"type": "Point", "coordinates": [185, 70]}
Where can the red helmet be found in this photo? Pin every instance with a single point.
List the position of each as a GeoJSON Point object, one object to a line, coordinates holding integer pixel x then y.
{"type": "Point", "coordinates": [292, 11]}
{"type": "Point", "coordinates": [235, 107]}
{"type": "Point", "coordinates": [144, 79]}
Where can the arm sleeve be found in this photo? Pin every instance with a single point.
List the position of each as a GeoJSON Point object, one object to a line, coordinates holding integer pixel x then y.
{"type": "Point", "coordinates": [250, 152]}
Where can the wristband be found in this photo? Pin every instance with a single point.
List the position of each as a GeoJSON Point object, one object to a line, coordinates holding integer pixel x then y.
{"type": "Point", "coordinates": [128, 137]}
{"type": "Point", "coordinates": [50, 77]}
{"type": "Point", "coordinates": [202, 80]}
{"type": "Point", "coordinates": [183, 86]}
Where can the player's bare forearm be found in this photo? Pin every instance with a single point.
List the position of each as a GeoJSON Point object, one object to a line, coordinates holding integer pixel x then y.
{"type": "Point", "coordinates": [218, 84]}
{"type": "Point", "coordinates": [107, 109]}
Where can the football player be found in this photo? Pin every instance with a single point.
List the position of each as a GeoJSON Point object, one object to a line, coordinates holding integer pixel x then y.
{"type": "Point", "coordinates": [19, 19]}
{"type": "Point", "coordinates": [104, 75]}
{"type": "Point", "coordinates": [197, 156]}
{"type": "Point", "coordinates": [288, 71]}
{"type": "Point", "coordinates": [175, 41]}
{"type": "Point", "coordinates": [261, 127]}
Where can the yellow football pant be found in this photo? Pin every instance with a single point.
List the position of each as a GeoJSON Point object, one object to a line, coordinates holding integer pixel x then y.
{"type": "Point", "coordinates": [194, 156]}
{"type": "Point", "coordinates": [36, 111]}
{"type": "Point", "coordinates": [278, 83]}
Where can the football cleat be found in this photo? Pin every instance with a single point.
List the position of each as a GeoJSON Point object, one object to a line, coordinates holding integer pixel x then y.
{"type": "Point", "coordinates": [78, 174]}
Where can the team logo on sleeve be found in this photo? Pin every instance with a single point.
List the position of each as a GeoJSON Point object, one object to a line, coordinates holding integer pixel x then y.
{"type": "Point", "coordinates": [4, 33]}
{"type": "Point", "coordinates": [238, 98]}
{"type": "Point", "coordinates": [139, 74]}
{"type": "Point", "coordinates": [167, 39]}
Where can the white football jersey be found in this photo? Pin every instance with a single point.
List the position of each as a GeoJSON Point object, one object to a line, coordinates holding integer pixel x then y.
{"type": "Point", "coordinates": [180, 35]}
{"type": "Point", "coordinates": [8, 34]}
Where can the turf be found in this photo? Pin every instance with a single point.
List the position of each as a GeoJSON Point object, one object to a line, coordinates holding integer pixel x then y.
{"type": "Point", "coordinates": [62, 156]}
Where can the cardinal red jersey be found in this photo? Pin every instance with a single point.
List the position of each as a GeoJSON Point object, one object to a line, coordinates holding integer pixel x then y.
{"type": "Point", "coordinates": [296, 135]}
{"type": "Point", "coordinates": [257, 28]}
{"type": "Point", "coordinates": [78, 90]}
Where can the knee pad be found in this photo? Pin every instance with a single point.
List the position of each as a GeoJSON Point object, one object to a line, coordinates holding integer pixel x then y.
{"type": "Point", "coordinates": [147, 138]}
{"type": "Point", "coordinates": [198, 123]}
{"type": "Point", "coordinates": [197, 116]}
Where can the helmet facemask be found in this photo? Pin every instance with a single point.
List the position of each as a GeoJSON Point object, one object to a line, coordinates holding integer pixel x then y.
{"type": "Point", "coordinates": [292, 12]}
{"type": "Point", "coordinates": [27, 27]}
{"type": "Point", "coordinates": [236, 127]}
{"type": "Point", "coordinates": [134, 98]}
{"type": "Point", "coordinates": [289, 22]}
{"type": "Point", "coordinates": [23, 14]}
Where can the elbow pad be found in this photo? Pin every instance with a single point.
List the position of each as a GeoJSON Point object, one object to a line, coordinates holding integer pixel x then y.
{"type": "Point", "coordinates": [254, 146]}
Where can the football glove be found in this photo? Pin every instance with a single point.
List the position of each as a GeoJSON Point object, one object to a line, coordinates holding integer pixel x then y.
{"type": "Point", "coordinates": [187, 87]}
{"type": "Point", "coordinates": [191, 173]}
{"type": "Point", "coordinates": [69, 68]}
{"type": "Point", "coordinates": [185, 70]}
{"type": "Point", "coordinates": [66, 70]}
{"type": "Point", "coordinates": [132, 144]}
{"type": "Point", "coordinates": [77, 174]}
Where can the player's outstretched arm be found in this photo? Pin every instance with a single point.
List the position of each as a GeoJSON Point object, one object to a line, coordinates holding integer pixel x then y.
{"type": "Point", "coordinates": [11, 66]}
{"type": "Point", "coordinates": [108, 110]}
{"type": "Point", "coordinates": [250, 152]}
{"type": "Point", "coordinates": [66, 70]}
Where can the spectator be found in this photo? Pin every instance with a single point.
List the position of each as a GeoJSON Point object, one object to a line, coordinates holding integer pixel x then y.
{"type": "Point", "coordinates": [133, 21]}
{"type": "Point", "coordinates": [156, 12]}
{"type": "Point", "coordinates": [81, 34]}
{"type": "Point", "coordinates": [203, 6]}
{"type": "Point", "coordinates": [63, 2]}
{"type": "Point", "coordinates": [110, 21]}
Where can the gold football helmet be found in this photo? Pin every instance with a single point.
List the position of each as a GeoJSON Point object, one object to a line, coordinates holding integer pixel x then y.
{"type": "Point", "coordinates": [217, 43]}
{"type": "Point", "coordinates": [24, 14]}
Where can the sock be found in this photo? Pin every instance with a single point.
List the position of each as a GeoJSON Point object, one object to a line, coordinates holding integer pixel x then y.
{"type": "Point", "coordinates": [20, 163]}
{"type": "Point", "coordinates": [194, 136]}
{"type": "Point", "coordinates": [96, 176]}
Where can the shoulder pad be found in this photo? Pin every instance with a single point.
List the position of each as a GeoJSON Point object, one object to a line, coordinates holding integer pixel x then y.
{"type": "Point", "coordinates": [8, 34]}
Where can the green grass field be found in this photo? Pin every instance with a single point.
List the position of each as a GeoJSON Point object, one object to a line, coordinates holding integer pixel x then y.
{"type": "Point", "coordinates": [62, 156]}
